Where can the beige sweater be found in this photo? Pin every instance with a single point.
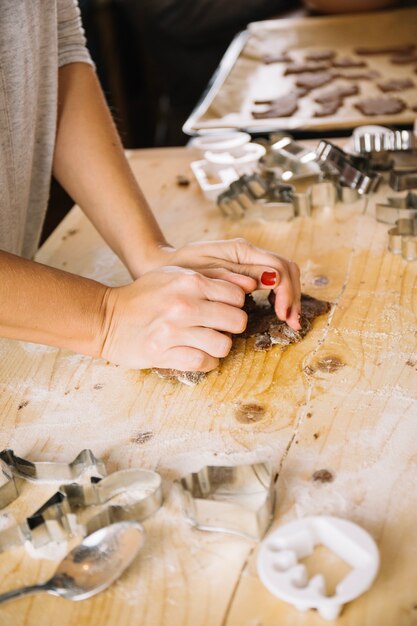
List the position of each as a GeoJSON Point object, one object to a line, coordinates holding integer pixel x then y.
{"type": "Point", "coordinates": [36, 37]}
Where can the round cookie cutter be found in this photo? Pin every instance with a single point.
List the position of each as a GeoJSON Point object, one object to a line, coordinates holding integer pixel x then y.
{"type": "Point", "coordinates": [280, 571]}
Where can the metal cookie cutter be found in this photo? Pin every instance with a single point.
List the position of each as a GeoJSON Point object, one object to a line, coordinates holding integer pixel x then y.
{"type": "Point", "coordinates": [349, 175]}
{"type": "Point", "coordinates": [400, 180]}
{"type": "Point", "coordinates": [403, 239]}
{"type": "Point", "coordinates": [289, 160]}
{"type": "Point", "coordinates": [257, 196]}
{"type": "Point", "coordinates": [238, 499]}
{"type": "Point", "coordinates": [62, 516]}
{"type": "Point", "coordinates": [8, 485]}
{"type": "Point", "coordinates": [53, 471]}
{"type": "Point", "coordinates": [397, 208]}
{"type": "Point", "coordinates": [379, 141]}
{"type": "Point", "coordinates": [280, 570]}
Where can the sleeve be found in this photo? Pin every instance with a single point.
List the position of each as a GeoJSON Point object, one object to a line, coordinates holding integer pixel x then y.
{"type": "Point", "coordinates": [71, 38]}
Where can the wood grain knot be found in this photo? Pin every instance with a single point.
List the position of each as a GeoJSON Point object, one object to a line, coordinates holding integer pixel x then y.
{"type": "Point", "coordinates": [330, 364]}
{"type": "Point", "coordinates": [323, 476]}
{"type": "Point", "coordinates": [250, 413]}
{"type": "Point", "coordinates": [142, 437]}
{"type": "Point", "coordinates": [327, 364]}
{"type": "Point", "coordinates": [320, 281]}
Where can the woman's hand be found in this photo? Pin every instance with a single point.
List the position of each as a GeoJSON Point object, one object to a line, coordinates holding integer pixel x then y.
{"type": "Point", "coordinates": [172, 318]}
{"type": "Point", "coordinates": [241, 263]}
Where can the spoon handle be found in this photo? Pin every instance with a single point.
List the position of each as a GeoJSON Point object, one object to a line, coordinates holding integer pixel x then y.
{"type": "Point", "coordinates": [23, 591]}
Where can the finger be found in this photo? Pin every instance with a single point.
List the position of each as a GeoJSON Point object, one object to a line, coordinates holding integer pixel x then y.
{"type": "Point", "coordinates": [217, 290]}
{"type": "Point", "coordinates": [187, 359]}
{"type": "Point", "coordinates": [243, 281]}
{"type": "Point", "coordinates": [223, 317]}
{"type": "Point", "coordinates": [294, 319]}
{"type": "Point", "coordinates": [212, 342]}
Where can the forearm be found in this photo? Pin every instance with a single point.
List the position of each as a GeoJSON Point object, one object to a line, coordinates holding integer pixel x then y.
{"type": "Point", "coordinates": [44, 305]}
{"type": "Point", "coordinates": [90, 164]}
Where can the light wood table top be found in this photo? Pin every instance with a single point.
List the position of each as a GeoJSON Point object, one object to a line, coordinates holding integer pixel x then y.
{"type": "Point", "coordinates": [358, 420]}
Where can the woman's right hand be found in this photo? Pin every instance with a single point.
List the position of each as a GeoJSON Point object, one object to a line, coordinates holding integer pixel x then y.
{"type": "Point", "coordinates": [172, 318]}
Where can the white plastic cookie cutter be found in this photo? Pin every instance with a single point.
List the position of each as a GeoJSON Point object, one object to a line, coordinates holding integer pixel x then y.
{"type": "Point", "coordinates": [280, 571]}
{"type": "Point", "coordinates": [227, 156]}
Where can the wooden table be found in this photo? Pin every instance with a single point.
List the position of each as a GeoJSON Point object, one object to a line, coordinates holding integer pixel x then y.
{"type": "Point", "coordinates": [344, 399]}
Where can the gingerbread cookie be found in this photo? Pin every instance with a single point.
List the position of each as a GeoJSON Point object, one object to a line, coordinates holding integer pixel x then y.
{"type": "Point", "coordinates": [320, 55]}
{"type": "Point", "coordinates": [279, 57]}
{"type": "Point", "coordinates": [284, 106]}
{"type": "Point", "coordinates": [313, 80]}
{"type": "Point", "coordinates": [399, 49]}
{"type": "Point", "coordinates": [309, 66]}
{"type": "Point", "coordinates": [348, 62]}
{"type": "Point", "coordinates": [365, 75]}
{"type": "Point", "coordinates": [404, 59]}
{"type": "Point", "coordinates": [381, 106]}
{"type": "Point", "coordinates": [396, 84]}
{"type": "Point", "coordinates": [332, 100]}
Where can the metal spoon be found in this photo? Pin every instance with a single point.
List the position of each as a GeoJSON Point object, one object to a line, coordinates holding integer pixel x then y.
{"type": "Point", "coordinates": [91, 566]}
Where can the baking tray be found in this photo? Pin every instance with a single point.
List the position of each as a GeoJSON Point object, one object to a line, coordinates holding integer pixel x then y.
{"type": "Point", "coordinates": [243, 77]}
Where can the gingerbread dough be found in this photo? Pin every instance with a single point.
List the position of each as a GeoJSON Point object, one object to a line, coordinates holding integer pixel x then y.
{"type": "Point", "coordinates": [266, 328]}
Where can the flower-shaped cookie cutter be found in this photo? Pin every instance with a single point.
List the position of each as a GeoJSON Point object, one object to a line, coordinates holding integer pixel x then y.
{"type": "Point", "coordinates": [284, 576]}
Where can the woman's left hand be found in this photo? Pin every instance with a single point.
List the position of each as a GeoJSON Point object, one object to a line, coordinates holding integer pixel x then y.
{"type": "Point", "coordinates": [240, 262]}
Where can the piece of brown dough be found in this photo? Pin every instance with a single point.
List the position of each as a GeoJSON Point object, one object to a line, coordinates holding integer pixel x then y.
{"type": "Point", "coordinates": [348, 62]}
{"type": "Point", "coordinates": [404, 59]}
{"type": "Point", "coordinates": [284, 106]}
{"type": "Point", "coordinates": [333, 99]}
{"type": "Point", "coordinates": [265, 327]}
{"type": "Point", "coordinates": [337, 93]}
{"type": "Point", "coordinates": [381, 106]}
{"type": "Point", "coordinates": [320, 55]}
{"type": "Point", "coordinates": [400, 49]}
{"type": "Point", "coordinates": [366, 75]}
{"type": "Point", "coordinates": [311, 81]}
{"type": "Point", "coordinates": [329, 107]}
{"type": "Point", "coordinates": [396, 84]}
{"type": "Point", "coordinates": [301, 68]}
{"type": "Point", "coordinates": [279, 57]}
{"type": "Point", "coordinates": [268, 330]}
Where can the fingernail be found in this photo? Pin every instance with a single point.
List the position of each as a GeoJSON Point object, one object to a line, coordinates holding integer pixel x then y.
{"type": "Point", "coordinates": [288, 312]}
{"type": "Point", "coordinates": [268, 278]}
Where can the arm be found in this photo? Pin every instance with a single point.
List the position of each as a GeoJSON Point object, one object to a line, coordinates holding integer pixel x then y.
{"type": "Point", "coordinates": [45, 305]}
{"type": "Point", "coordinates": [90, 164]}
{"type": "Point", "coordinates": [130, 325]}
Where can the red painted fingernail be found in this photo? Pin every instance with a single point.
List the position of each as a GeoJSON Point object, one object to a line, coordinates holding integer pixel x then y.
{"type": "Point", "coordinates": [268, 278]}
{"type": "Point", "coordinates": [288, 312]}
